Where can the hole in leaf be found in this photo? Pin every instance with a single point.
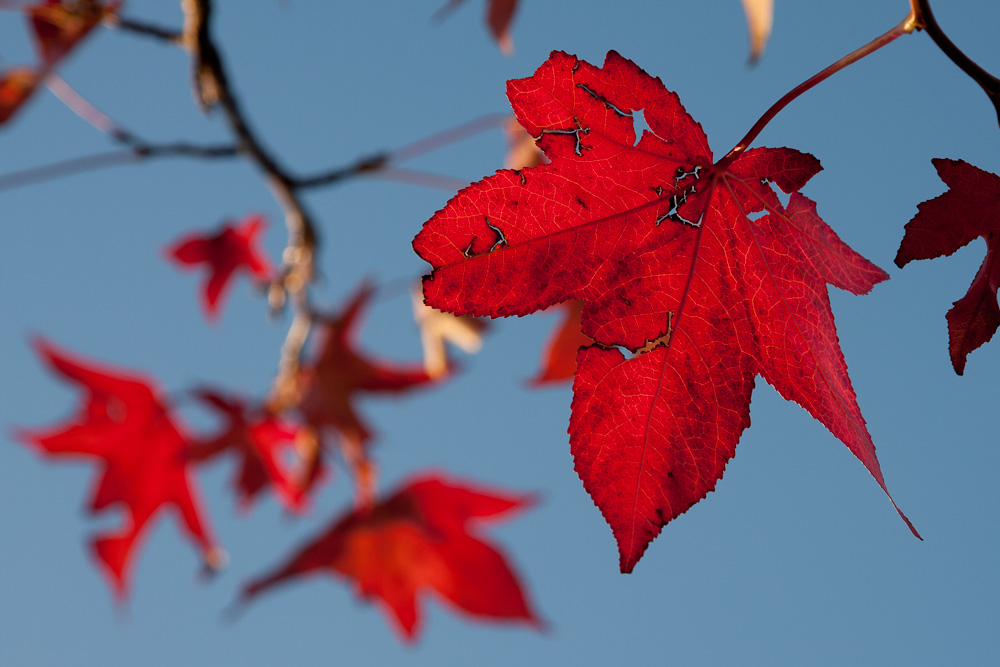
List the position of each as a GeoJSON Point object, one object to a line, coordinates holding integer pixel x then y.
{"type": "Point", "coordinates": [639, 122]}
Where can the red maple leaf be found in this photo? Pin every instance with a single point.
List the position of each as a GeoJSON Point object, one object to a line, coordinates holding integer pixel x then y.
{"type": "Point", "coordinates": [330, 384]}
{"type": "Point", "coordinates": [695, 265]}
{"type": "Point", "coordinates": [233, 248]}
{"type": "Point", "coordinates": [258, 438]}
{"type": "Point", "coordinates": [559, 361]}
{"type": "Point", "coordinates": [419, 539]}
{"type": "Point", "coordinates": [969, 209]}
{"type": "Point", "coordinates": [126, 426]}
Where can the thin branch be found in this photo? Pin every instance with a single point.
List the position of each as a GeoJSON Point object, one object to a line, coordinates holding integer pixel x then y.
{"type": "Point", "coordinates": [926, 21]}
{"type": "Point", "coordinates": [335, 175]}
{"type": "Point", "coordinates": [421, 178]}
{"type": "Point", "coordinates": [66, 168]}
{"type": "Point", "coordinates": [379, 164]}
{"type": "Point", "coordinates": [449, 136]}
{"type": "Point", "coordinates": [168, 35]}
{"type": "Point", "coordinates": [138, 153]}
{"type": "Point", "coordinates": [212, 87]}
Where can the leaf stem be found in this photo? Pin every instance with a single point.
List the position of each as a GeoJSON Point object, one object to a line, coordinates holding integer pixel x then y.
{"type": "Point", "coordinates": [926, 21]}
{"type": "Point", "coordinates": [906, 26]}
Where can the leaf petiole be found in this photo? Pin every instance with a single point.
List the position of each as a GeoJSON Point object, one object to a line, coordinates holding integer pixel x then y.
{"type": "Point", "coordinates": [906, 26]}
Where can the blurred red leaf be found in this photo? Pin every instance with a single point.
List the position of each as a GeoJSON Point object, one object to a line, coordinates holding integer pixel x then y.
{"type": "Point", "coordinates": [694, 267]}
{"type": "Point", "coordinates": [330, 384]}
{"type": "Point", "coordinates": [421, 538]}
{"type": "Point", "coordinates": [125, 426]}
{"type": "Point", "coordinates": [559, 360]}
{"type": "Point", "coordinates": [339, 373]}
{"type": "Point", "coordinates": [16, 86]}
{"type": "Point", "coordinates": [970, 209]}
{"type": "Point", "coordinates": [57, 27]}
{"type": "Point", "coordinates": [258, 439]}
{"type": "Point", "coordinates": [232, 249]}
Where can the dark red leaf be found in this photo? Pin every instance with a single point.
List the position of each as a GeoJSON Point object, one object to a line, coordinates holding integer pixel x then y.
{"type": "Point", "coordinates": [59, 26]}
{"type": "Point", "coordinates": [125, 426]}
{"type": "Point", "coordinates": [421, 538]}
{"type": "Point", "coordinates": [329, 386]}
{"type": "Point", "coordinates": [233, 248]}
{"type": "Point", "coordinates": [695, 267]}
{"type": "Point", "coordinates": [968, 210]}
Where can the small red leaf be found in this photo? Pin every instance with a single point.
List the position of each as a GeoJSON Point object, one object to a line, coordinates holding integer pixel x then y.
{"type": "Point", "coordinates": [421, 538]}
{"type": "Point", "coordinates": [59, 26]}
{"type": "Point", "coordinates": [969, 209]}
{"type": "Point", "coordinates": [125, 426]}
{"type": "Point", "coordinates": [232, 249]}
{"type": "Point", "coordinates": [16, 86]}
{"type": "Point", "coordinates": [258, 438]}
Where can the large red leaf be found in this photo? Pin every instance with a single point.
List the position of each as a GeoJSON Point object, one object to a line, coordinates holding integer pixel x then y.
{"type": "Point", "coordinates": [968, 210]}
{"type": "Point", "coordinates": [696, 265]}
{"type": "Point", "coordinates": [421, 538]}
{"type": "Point", "coordinates": [125, 426]}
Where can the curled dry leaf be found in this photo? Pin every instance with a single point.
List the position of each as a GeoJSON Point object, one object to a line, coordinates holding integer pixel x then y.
{"type": "Point", "coordinates": [437, 328]}
{"type": "Point", "coordinates": [760, 18]}
{"type": "Point", "coordinates": [522, 151]}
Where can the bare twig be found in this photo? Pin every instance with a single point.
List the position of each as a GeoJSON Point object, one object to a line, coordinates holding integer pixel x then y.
{"type": "Point", "coordinates": [147, 30]}
{"type": "Point", "coordinates": [212, 88]}
{"type": "Point", "coordinates": [926, 21]}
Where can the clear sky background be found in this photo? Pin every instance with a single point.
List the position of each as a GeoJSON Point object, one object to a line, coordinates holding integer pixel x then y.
{"type": "Point", "coordinates": [797, 558]}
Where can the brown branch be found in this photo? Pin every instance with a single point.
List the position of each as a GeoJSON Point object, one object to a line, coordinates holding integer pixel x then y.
{"type": "Point", "coordinates": [335, 175]}
{"type": "Point", "coordinates": [137, 153]}
{"type": "Point", "coordinates": [213, 88]}
{"type": "Point", "coordinates": [168, 35]}
{"type": "Point", "coordinates": [989, 83]}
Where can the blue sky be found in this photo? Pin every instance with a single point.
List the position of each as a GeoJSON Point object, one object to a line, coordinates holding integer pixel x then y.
{"type": "Point", "coordinates": [797, 558]}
